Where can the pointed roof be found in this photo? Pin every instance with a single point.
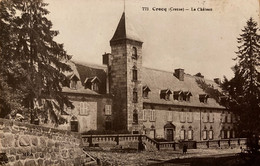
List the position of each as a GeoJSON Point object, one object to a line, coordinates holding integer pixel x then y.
{"type": "Point", "coordinates": [125, 30]}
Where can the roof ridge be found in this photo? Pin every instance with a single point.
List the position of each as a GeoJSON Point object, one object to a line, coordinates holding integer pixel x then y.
{"type": "Point", "coordinates": [186, 74]}
{"type": "Point", "coordinates": [90, 64]}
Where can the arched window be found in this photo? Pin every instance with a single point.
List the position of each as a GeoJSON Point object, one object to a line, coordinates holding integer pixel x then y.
{"type": "Point", "coordinates": [211, 136]}
{"type": "Point", "coordinates": [134, 53]}
{"type": "Point", "coordinates": [205, 133]}
{"type": "Point", "coordinates": [190, 133]}
{"type": "Point", "coordinates": [223, 133]}
{"type": "Point", "coordinates": [182, 133]}
{"type": "Point", "coordinates": [135, 95]}
{"type": "Point", "coordinates": [134, 73]}
{"type": "Point", "coordinates": [135, 117]}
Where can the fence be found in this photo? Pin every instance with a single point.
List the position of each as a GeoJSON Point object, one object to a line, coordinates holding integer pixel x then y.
{"type": "Point", "coordinates": [123, 139]}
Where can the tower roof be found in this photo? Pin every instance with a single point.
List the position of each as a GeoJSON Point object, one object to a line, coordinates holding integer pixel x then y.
{"type": "Point", "coordinates": [125, 30]}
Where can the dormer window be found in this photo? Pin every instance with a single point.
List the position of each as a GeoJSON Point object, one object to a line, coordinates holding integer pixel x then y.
{"type": "Point", "coordinates": [146, 90]}
{"type": "Point", "coordinates": [92, 83]}
{"type": "Point", "coordinates": [203, 98]}
{"type": "Point", "coordinates": [73, 81]}
{"type": "Point", "coordinates": [178, 95]}
{"type": "Point", "coordinates": [186, 96]}
{"type": "Point", "coordinates": [165, 94]}
{"type": "Point", "coordinates": [134, 53]}
{"type": "Point", "coordinates": [134, 73]}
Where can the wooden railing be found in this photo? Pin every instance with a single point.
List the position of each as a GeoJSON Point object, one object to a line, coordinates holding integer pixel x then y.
{"type": "Point", "coordinates": [92, 140]}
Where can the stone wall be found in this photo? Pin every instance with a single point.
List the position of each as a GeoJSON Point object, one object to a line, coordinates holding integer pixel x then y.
{"type": "Point", "coordinates": [27, 144]}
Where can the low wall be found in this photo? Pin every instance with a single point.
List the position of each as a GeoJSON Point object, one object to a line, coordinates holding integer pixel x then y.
{"type": "Point", "coordinates": [128, 140]}
{"type": "Point", "coordinates": [27, 144]}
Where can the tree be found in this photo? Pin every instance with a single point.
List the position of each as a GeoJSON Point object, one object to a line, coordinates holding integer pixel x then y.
{"type": "Point", "coordinates": [29, 43]}
{"type": "Point", "coordinates": [244, 88]}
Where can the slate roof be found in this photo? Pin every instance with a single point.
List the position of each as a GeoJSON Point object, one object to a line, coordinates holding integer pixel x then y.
{"type": "Point", "coordinates": [158, 80]}
{"type": "Point", "coordinates": [83, 71]}
{"type": "Point", "coordinates": [91, 71]}
{"type": "Point", "coordinates": [125, 30]}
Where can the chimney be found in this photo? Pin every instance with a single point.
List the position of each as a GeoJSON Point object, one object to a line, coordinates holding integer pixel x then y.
{"type": "Point", "coordinates": [179, 73]}
{"type": "Point", "coordinates": [106, 58]}
{"type": "Point", "coordinates": [199, 75]}
{"type": "Point", "coordinates": [217, 81]}
{"type": "Point", "coordinates": [106, 61]}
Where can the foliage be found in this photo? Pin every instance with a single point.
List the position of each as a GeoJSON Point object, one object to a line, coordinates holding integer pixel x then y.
{"type": "Point", "coordinates": [210, 90]}
{"type": "Point", "coordinates": [38, 63]}
{"type": "Point", "coordinates": [243, 89]}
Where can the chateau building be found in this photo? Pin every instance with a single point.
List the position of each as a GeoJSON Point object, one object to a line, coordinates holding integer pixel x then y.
{"type": "Point", "coordinates": [121, 94]}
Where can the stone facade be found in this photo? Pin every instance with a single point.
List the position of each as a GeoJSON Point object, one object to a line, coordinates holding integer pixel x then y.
{"type": "Point", "coordinates": [26, 144]}
{"type": "Point", "coordinates": [161, 104]}
{"type": "Point", "coordinates": [92, 117]}
{"type": "Point", "coordinates": [187, 124]}
{"type": "Point", "coordinates": [125, 64]}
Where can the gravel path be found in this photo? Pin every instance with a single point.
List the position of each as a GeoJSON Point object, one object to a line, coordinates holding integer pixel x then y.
{"type": "Point", "coordinates": [144, 158]}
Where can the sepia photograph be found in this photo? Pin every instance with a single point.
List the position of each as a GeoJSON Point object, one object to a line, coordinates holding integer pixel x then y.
{"type": "Point", "coordinates": [130, 82]}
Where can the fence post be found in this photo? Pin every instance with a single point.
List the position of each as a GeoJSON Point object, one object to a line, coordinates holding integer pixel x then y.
{"type": "Point", "coordinates": [90, 140]}
{"type": "Point", "coordinates": [229, 142]}
{"type": "Point", "coordinates": [117, 140]}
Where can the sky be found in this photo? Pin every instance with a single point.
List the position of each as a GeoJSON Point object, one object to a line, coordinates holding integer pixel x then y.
{"type": "Point", "coordinates": [197, 41]}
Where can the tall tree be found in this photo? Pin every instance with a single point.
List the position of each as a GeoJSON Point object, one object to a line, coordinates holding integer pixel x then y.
{"type": "Point", "coordinates": [33, 47]}
{"type": "Point", "coordinates": [244, 88]}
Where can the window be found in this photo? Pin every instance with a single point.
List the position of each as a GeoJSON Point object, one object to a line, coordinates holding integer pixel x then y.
{"type": "Point", "coordinates": [144, 115]}
{"type": "Point", "coordinates": [145, 94]}
{"type": "Point", "coordinates": [134, 73]}
{"type": "Point", "coordinates": [178, 95]}
{"type": "Point", "coordinates": [135, 117]}
{"type": "Point", "coordinates": [135, 96]}
{"type": "Point", "coordinates": [186, 96]}
{"type": "Point", "coordinates": [169, 116]}
{"type": "Point", "coordinates": [83, 108]}
{"type": "Point", "coordinates": [182, 134]}
{"type": "Point", "coordinates": [146, 90]}
{"type": "Point", "coordinates": [134, 53]}
{"type": "Point", "coordinates": [223, 117]}
{"type": "Point", "coordinates": [165, 94]}
{"type": "Point", "coordinates": [210, 134]}
{"type": "Point", "coordinates": [203, 98]}
{"type": "Point", "coordinates": [228, 133]}
{"type": "Point", "coordinates": [211, 117]}
{"type": "Point", "coordinates": [73, 84]}
{"type": "Point", "coordinates": [190, 117]}
{"type": "Point", "coordinates": [233, 134]}
{"type": "Point", "coordinates": [94, 86]}
{"type": "Point", "coordinates": [108, 110]}
{"type": "Point", "coordinates": [223, 133]}
{"type": "Point", "coordinates": [229, 117]}
{"type": "Point", "coordinates": [204, 133]}
{"type": "Point", "coordinates": [190, 133]}
{"type": "Point", "coordinates": [182, 116]}
{"type": "Point", "coordinates": [205, 116]}
{"type": "Point", "coordinates": [152, 115]}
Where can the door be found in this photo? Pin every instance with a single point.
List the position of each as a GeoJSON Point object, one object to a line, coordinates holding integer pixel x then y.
{"type": "Point", "coordinates": [169, 134]}
{"type": "Point", "coordinates": [74, 126]}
